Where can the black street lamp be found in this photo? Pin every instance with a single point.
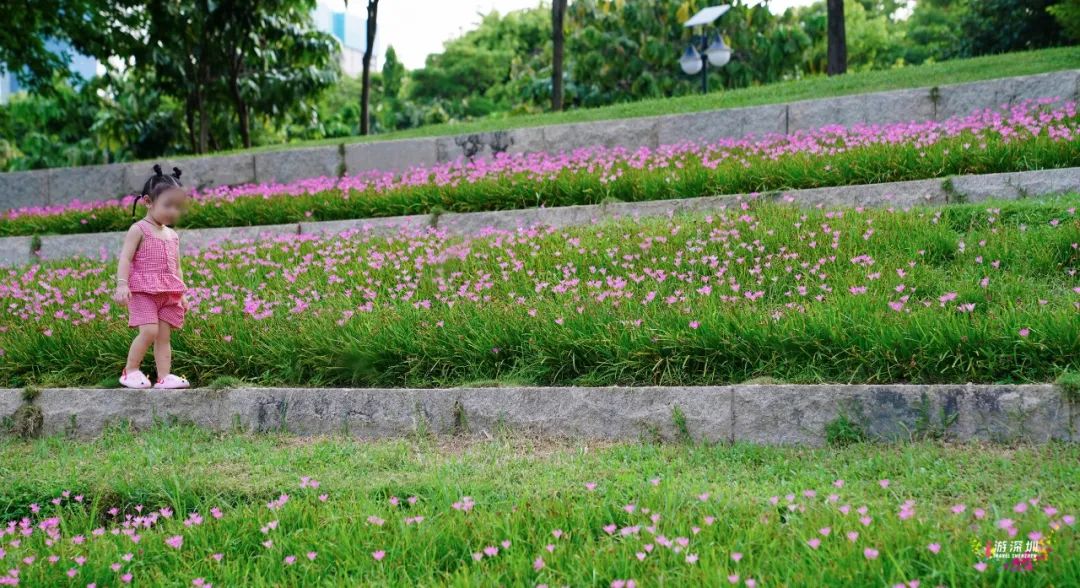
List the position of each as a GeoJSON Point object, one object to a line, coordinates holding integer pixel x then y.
{"type": "Point", "coordinates": [705, 49]}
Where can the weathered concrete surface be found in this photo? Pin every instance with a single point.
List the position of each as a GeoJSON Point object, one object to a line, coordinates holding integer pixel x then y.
{"type": "Point", "coordinates": [389, 155]}
{"type": "Point", "coordinates": [15, 251]}
{"type": "Point", "coordinates": [59, 186]}
{"type": "Point", "coordinates": [1016, 185]}
{"type": "Point", "coordinates": [762, 414]}
{"type": "Point", "coordinates": [735, 123]}
{"type": "Point", "coordinates": [628, 132]}
{"type": "Point", "coordinates": [87, 183]}
{"type": "Point", "coordinates": [375, 226]}
{"type": "Point", "coordinates": [490, 144]}
{"type": "Point", "coordinates": [197, 172]}
{"type": "Point", "coordinates": [798, 414]}
{"type": "Point", "coordinates": [862, 109]}
{"type": "Point", "coordinates": [962, 99]}
{"type": "Point", "coordinates": [898, 194]}
{"type": "Point", "coordinates": [89, 245]}
{"type": "Point", "coordinates": [298, 164]}
{"type": "Point", "coordinates": [24, 189]}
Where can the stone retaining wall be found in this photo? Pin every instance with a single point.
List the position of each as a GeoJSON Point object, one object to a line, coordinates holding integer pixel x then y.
{"type": "Point", "coordinates": [18, 250]}
{"type": "Point", "coordinates": [63, 185]}
{"type": "Point", "coordinates": [763, 414]}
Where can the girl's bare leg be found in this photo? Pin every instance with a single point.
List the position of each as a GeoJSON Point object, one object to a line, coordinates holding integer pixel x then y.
{"type": "Point", "coordinates": [146, 337]}
{"type": "Point", "coordinates": [163, 349]}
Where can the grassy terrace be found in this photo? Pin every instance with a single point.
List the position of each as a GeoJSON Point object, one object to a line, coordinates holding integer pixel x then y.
{"type": "Point", "coordinates": [279, 511]}
{"type": "Point", "coordinates": [956, 71]}
{"type": "Point", "coordinates": [964, 293]}
{"type": "Point", "coordinates": [1029, 137]}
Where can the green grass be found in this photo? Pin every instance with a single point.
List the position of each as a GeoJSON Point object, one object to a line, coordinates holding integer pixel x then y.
{"type": "Point", "coordinates": [956, 71]}
{"type": "Point", "coordinates": [965, 293]}
{"type": "Point", "coordinates": [523, 492]}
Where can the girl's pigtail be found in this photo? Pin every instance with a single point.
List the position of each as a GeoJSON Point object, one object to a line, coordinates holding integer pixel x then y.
{"type": "Point", "coordinates": [149, 185]}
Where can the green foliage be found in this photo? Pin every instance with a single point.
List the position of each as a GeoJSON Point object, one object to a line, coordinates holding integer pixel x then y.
{"type": "Point", "coordinates": [51, 129]}
{"type": "Point", "coordinates": [843, 431]}
{"type": "Point", "coordinates": [29, 26]}
{"type": "Point", "coordinates": [997, 26]}
{"type": "Point", "coordinates": [1067, 14]}
{"type": "Point", "coordinates": [488, 69]}
{"type": "Point", "coordinates": [1069, 382]}
{"type": "Point", "coordinates": [619, 51]}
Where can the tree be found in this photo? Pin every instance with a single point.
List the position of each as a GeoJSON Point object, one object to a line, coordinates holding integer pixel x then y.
{"type": "Point", "coordinates": [222, 58]}
{"type": "Point", "coordinates": [837, 38]}
{"type": "Point", "coordinates": [630, 50]}
{"type": "Point", "coordinates": [558, 38]}
{"type": "Point", "coordinates": [1067, 14]}
{"type": "Point", "coordinates": [365, 90]}
{"type": "Point", "coordinates": [501, 65]}
{"type": "Point", "coordinates": [997, 26]}
{"type": "Point", "coordinates": [272, 57]}
{"type": "Point", "coordinates": [28, 28]}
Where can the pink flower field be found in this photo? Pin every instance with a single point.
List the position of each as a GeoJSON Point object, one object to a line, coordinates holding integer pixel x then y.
{"type": "Point", "coordinates": [978, 293]}
{"type": "Point", "coordinates": [1035, 134]}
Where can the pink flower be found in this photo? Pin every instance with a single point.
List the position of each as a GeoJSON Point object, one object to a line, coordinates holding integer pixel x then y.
{"type": "Point", "coordinates": [176, 541]}
{"type": "Point", "coordinates": [694, 324]}
{"type": "Point", "coordinates": [736, 556]}
{"type": "Point", "coordinates": [378, 555]}
{"type": "Point", "coordinates": [883, 483]}
{"type": "Point", "coordinates": [870, 553]}
{"type": "Point", "coordinates": [1024, 332]}
{"type": "Point", "coordinates": [934, 548]}
{"type": "Point", "coordinates": [538, 563]}
{"type": "Point", "coordinates": [311, 555]}
{"type": "Point", "coordinates": [813, 542]}
{"type": "Point", "coordinates": [981, 566]}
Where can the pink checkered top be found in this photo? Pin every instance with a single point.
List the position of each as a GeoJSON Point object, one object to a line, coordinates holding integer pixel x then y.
{"type": "Point", "coordinates": [155, 267]}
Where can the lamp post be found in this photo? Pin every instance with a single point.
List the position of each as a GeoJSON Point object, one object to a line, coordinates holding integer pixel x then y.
{"type": "Point", "coordinates": [705, 49]}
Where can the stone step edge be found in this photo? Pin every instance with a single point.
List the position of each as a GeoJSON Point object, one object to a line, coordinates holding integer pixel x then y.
{"type": "Point", "coordinates": [771, 414]}
{"type": "Point", "coordinates": [929, 192]}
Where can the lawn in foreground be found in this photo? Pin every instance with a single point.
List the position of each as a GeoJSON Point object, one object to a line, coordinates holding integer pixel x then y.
{"type": "Point", "coordinates": [273, 510]}
{"type": "Point", "coordinates": [983, 292]}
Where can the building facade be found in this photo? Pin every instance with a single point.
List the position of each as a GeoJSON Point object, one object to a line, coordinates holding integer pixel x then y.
{"type": "Point", "coordinates": [351, 32]}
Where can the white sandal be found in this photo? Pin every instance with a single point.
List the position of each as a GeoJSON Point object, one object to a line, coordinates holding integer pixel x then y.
{"type": "Point", "coordinates": [171, 382]}
{"type": "Point", "coordinates": [135, 379]}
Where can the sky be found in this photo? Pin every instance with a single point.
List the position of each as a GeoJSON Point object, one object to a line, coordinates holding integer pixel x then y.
{"type": "Point", "coordinates": [417, 28]}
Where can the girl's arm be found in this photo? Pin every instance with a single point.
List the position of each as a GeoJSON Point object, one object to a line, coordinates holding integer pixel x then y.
{"type": "Point", "coordinates": [123, 267]}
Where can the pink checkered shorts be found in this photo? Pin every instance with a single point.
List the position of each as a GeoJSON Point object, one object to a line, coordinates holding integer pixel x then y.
{"type": "Point", "coordinates": [147, 309]}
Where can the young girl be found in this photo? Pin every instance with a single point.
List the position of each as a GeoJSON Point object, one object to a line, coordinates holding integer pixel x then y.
{"type": "Point", "coordinates": [150, 282]}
